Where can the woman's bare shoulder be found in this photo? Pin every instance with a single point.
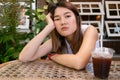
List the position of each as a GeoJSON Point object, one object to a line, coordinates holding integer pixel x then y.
{"type": "Point", "coordinates": [91, 29]}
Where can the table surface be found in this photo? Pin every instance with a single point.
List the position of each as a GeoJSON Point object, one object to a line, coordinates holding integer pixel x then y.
{"type": "Point", "coordinates": [49, 70]}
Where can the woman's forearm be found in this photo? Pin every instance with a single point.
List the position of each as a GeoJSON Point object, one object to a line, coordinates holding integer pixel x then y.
{"type": "Point", "coordinates": [69, 60]}
{"type": "Point", "coordinates": [31, 48]}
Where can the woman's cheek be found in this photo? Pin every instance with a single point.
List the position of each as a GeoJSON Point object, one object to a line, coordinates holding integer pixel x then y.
{"type": "Point", "coordinates": [55, 23]}
{"type": "Point", "coordinates": [57, 26]}
{"type": "Point", "coordinates": [73, 22]}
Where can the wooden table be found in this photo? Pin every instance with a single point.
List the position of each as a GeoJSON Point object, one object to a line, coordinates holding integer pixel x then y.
{"type": "Point", "coordinates": [48, 70]}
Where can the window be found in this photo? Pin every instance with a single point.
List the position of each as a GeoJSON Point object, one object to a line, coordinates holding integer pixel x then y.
{"type": "Point", "coordinates": [113, 9]}
{"type": "Point", "coordinates": [89, 8]}
{"type": "Point", "coordinates": [113, 28]}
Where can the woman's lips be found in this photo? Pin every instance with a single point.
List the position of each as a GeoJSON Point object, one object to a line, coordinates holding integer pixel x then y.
{"type": "Point", "coordinates": [64, 28]}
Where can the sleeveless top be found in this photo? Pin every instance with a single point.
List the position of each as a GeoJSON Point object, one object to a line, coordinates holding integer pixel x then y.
{"type": "Point", "coordinates": [83, 28]}
{"type": "Point", "coordinates": [89, 66]}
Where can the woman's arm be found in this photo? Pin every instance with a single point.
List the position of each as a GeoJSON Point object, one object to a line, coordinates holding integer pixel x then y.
{"type": "Point", "coordinates": [81, 58]}
{"type": "Point", "coordinates": [34, 47]}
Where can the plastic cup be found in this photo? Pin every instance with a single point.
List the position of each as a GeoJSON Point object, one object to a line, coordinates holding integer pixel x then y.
{"type": "Point", "coordinates": [101, 59]}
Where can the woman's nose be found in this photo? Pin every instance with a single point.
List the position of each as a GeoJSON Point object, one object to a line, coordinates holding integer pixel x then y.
{"type": "Point", "coordinates": [63, 21]}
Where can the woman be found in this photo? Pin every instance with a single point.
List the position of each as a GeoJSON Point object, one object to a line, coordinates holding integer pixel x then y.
{"type": "Point", "coordinates": [71, 42]}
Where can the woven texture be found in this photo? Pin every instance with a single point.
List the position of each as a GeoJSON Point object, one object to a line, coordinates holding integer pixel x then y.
{"type": "Point", "coordinates": [48, 70]}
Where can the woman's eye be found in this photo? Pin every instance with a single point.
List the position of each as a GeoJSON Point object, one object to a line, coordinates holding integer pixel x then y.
{"type": "Point", "coordinates": [56, 19]}
{"type": "Point", "coordinates": [67, 16]}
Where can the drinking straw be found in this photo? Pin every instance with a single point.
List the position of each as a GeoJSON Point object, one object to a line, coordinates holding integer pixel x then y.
{"type": "Point", "coordinates": [102, 25]}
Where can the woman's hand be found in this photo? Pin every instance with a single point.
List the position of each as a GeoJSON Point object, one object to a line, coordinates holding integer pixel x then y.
{"type": "Point", "coordinates": [50, 21]}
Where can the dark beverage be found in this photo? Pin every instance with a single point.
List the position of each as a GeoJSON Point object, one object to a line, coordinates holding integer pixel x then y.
{"type": "Point", "coordinates": [101, 67]}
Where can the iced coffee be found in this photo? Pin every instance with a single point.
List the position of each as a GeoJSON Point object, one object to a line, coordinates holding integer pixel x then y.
{"type": "Point", "coordinates": [102, 58]}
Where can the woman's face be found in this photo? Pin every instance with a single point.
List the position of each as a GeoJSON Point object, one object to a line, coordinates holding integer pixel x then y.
{"type": "Point", "coordinates": [65, 21]}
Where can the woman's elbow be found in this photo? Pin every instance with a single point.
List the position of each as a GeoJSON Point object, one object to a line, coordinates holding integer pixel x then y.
{"type": "Point", "coordinates": [22, 59]}
{"type": "Point", "coordinates": [80, 64]}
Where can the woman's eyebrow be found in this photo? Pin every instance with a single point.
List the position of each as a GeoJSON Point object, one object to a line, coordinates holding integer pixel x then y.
{"type": "Point", "coordinates": [56, 16]}
{"type": "Point", "coordinates": [64, 14]}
